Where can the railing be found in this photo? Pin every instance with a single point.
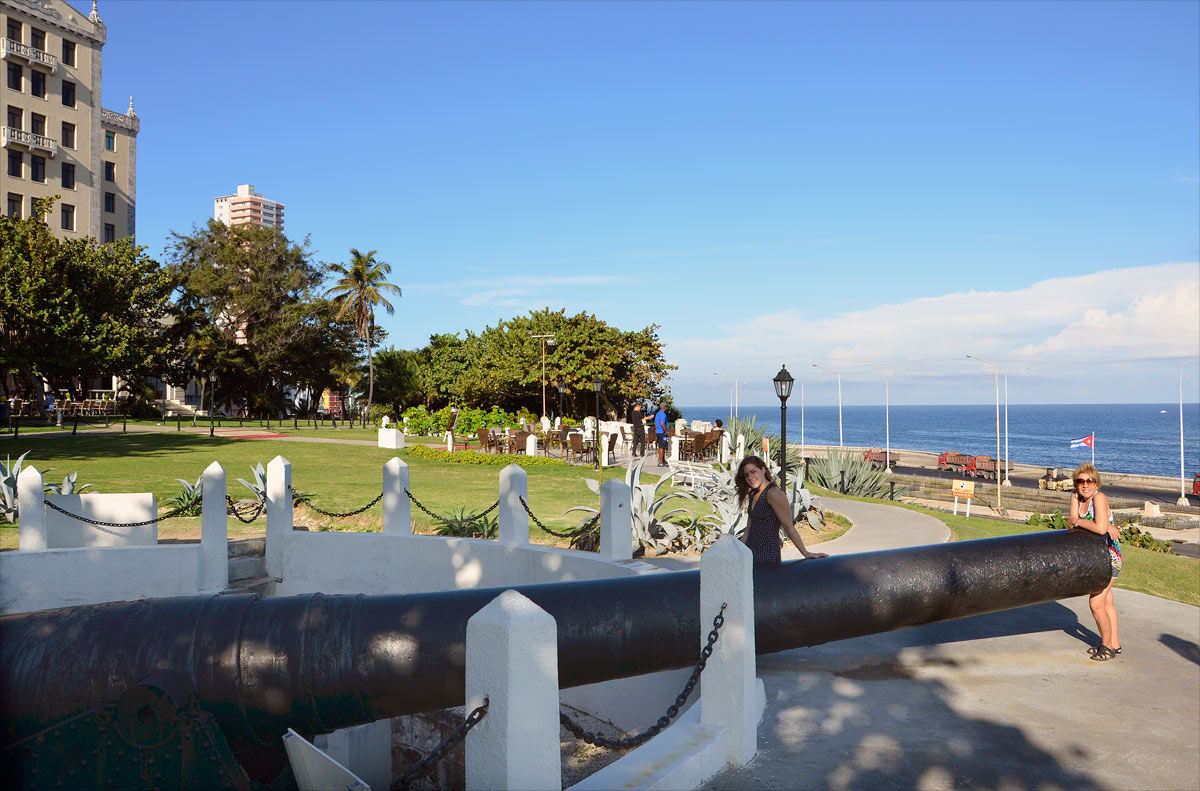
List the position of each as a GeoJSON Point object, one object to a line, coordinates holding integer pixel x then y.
{"type": "Point", "coordinates": [31, 54]}
{"type": "Point", "coordinates": [29, 139]}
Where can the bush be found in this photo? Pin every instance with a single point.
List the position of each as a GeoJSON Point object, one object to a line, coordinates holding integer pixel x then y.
{"type": "Point", "coordinates": [483, 459]}
{"type": "Point", "coordinates": [861, 479]}
{"type": "Point", "coordinates": [423, 423]}
{"type": "Point", "coordinates": [1130, 535]}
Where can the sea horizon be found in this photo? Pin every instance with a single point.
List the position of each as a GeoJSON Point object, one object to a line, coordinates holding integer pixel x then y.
{"type": "Point", "coordinates": [1141, 438]}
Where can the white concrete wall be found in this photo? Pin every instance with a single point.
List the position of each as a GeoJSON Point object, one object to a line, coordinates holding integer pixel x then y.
{"type": "Point", "coordinates": [373, 563]}
{"type": "Point", "coordinates": [63, 531]}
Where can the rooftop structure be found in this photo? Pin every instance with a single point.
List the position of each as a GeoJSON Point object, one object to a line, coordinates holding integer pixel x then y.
{"type": "Point", "coordinates": [247, 207]}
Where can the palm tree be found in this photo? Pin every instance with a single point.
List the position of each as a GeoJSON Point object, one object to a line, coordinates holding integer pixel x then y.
{"type": "Point", "coordinates": [359, 289]}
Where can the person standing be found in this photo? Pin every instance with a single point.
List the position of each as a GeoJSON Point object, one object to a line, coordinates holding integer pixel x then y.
{"type": "Point", "coordinates": [660, 429]}
{"type": "Point", "coordinates": [638, 418]}
{"type": "Point", "coordinates": [768, 512]}
{"type": "Point", "coordinates": [1090, 511]}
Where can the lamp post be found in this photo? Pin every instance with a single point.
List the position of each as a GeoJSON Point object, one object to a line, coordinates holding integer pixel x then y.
{"type": "Point", "coordinates": [212, 401]}
{"type": "Point", "coordinates": [1007, 475]}
{"type": "Point", "coordinates": [562, 389]}
{"type": "Point", "coordinates": [839, 377]}
{"type": "Point", "coordinates": [887, 423]}
{"type": "Point", "coordinates": [783, 388]}
{"type": "Point", "coordinates": [597, 384]}
{"type": "Point", "coordinates": [999, 502]}
{"type": "Point", "coordinates": [733, 404]}
{"type": "Point", "coordinates": [1182, 493]}
{"type": "Point", "coordinates": [545, 339]}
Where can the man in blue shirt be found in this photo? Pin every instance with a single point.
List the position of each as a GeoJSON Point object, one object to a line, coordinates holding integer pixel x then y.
{"type": "Point", "coordinates": [660, 430]}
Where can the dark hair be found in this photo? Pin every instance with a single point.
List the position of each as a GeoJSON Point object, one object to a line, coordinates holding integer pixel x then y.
{"type": "Point", "coordinates": [739, 479]}
{"type": "Point", "coordinates": [720, 424]}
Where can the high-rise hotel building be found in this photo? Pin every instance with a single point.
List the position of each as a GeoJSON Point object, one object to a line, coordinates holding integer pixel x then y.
{"type": "Point", "coordinates": [247, 207]}
{"type": "Point", "coordinates": [57, 138]}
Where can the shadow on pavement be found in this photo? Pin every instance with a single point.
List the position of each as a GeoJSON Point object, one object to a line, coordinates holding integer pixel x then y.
{"type": "Point", "coordinates": [1186, 649]}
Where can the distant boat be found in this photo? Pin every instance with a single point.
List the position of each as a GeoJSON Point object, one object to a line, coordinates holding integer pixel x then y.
{"type": "Point", "coordinates": [1162, 411]}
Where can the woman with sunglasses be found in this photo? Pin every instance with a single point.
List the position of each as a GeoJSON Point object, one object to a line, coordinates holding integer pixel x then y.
{"type": "Point", "coordinates": [1090, 511]}
{"type": "Point", "coordinates": [769, 512]}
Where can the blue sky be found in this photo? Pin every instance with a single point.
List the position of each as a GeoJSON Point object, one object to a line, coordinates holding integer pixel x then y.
{"type": "Point", "coordinates": [879, 188]}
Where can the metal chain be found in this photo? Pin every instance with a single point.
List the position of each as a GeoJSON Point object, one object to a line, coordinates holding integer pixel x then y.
{"type": "Point", "coordinates": [257, 511]}
{"type": "Point", "coordinates": [304, 499]}
{"type": "Point", "coordinates": [586, 527]}
{"type": "Point", "coordinates": [103, 525]}
{"type": "Point", "coordinates": [672, 710]}
{"type": "Point", "coordinates": [454, 522]}
{"type": "Point", "coordinates": [456, 736]}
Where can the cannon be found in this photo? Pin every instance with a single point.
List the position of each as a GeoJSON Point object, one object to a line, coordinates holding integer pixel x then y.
{"type": "Point", "coordinates": [235, 671]}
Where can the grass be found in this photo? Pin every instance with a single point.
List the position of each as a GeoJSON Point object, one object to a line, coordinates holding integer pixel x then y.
{"type": "Point", "coordinates": [1145, 571]}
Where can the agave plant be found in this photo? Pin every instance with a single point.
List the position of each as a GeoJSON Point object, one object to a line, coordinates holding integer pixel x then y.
{"type": "Point", "coordinates": [68, 486]}
{"type": "Point", "coordinates": [259, 485]}
{"type": "Point", "coordinates": [189, 498]}
{"type": "Point", "coordinates": [860, 478]}
{"type": "Point", "coordinates": [9, 473]}
{"type": "Point", "coordinates": [463, 523]}
{"type": "Point", "coordinates": [652, 533]}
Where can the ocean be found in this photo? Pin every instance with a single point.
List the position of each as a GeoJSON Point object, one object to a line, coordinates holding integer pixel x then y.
{"type": "Point", "coordinates": [1129, 438]}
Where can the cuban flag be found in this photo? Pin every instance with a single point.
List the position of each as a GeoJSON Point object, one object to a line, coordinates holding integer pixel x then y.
{"type": "Point", "coordinates": [1085, 442]}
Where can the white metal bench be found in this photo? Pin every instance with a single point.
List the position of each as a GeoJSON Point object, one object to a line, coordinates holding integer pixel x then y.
{"type": "Point", "coordinates": [692, 475]}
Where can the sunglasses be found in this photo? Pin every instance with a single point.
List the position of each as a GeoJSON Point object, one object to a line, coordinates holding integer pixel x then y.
{"type": "Point", "coordinates": [1082, 481]}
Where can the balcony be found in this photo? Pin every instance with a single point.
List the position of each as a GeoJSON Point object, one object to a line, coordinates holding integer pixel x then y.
{"type": "Point", "coordinates": [15, 50]}
{"type": "Point", "coordinates": [19, 137]}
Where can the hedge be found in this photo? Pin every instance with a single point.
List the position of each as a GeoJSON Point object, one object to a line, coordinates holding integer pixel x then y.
{"type": "Point", "coordinates": [487, 459]}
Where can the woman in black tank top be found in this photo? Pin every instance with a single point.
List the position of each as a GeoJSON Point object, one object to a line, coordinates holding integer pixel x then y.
{"type": "Point", "coordinates": [768, 512]}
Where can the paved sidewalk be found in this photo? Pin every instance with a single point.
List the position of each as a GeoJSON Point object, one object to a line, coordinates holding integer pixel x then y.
{"type": "Point", "coordinates": [1008, 700]}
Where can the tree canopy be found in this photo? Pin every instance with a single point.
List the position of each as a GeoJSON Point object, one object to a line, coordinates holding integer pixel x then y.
{"type": "Point", "coordinates": [74, 308]}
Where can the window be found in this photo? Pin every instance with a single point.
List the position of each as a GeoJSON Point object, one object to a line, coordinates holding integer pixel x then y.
{"type": "Point", "coordinates": [110, 232]}
{"type": "Point", "coordinates": [110, 201]}
{"type": "Point", "coordinates": [110, 141]}
{"type": "Point", "coordinates": [37, 83]}
{"type": "Point", "coordinates": [67, 214]}
{"type": "Point", "coordinates": [37, 168]}
{"type": "Point", "coordinates": [14, 77]}
{"type": "Point", "coordinates": [14, 205]}
{"type": "Point", "coordinates": [37, 38]}
{"type": "Point", "coordinates": [110, 171]}
{"type": "Point", "coordinates": [15, 115]}
{"type": "Point", "coordinates": [68, 94]}
{"type": "Point", "coordinates": [14, 30]}
{"type": "Point", "coordinates": [68, 56]}
{"type": "Point", "coordinates": [68, 176]}
{"type": "Point", "coordinates": [37, 124]}
{"type": "Point", "coordinates": [68, 135]}
{"type": "Point", "coordinates": [14, 163]}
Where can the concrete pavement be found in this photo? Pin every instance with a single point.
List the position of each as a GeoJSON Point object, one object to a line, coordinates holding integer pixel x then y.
{"type": "Point", "coordinates": [1008, 700]}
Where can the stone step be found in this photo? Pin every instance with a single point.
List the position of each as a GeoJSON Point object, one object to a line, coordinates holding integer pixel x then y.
{"type": "Point", "coordinates": [246, 568]}
{"type": "Point", "coordinates": [260, 585]}
{"type": "Point", "coordinates": [247, 546]}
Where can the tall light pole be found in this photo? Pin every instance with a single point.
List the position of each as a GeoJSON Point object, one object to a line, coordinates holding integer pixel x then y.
{"type": "Point", "coordinates": [1007, 476]}
{"type": "Point", "coordinates": [597, 385]}
{"type": "Point", "coordinates": [783, 388]}
{"type": "Point", "coordinates": [802, 421]}
{"type": "Point", "coordinates": [887, 423]}
{"type": "Point", "coordinates": [1182, 493]}
{"type": "Point", "coordinates": [544, 338]}
{"type": "Point", "coordinates": [212, 400]}
{"type": "Point", "coordinates": [839, 376]}
{"type": "Point", "coordinates": [999, 504]}
{"type": "Point", "coordinates": [734, 404]}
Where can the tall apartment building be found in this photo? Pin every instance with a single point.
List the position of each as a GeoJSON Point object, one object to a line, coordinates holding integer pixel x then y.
{"type": "Point", "coordinates": [57, 138]}
{"type": "Point", "coordinates": [247, 207]}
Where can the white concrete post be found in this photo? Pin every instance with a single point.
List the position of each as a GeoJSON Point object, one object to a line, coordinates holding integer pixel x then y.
{"type": "Point", "coordinates": [512, 660]}
{"type": "Point", "coordinates": [741, 448]}
{"type": "Point", "coordinates": [675, 447]}
{"type": "Point", "coordinates": [397, 511]}
{"type": "Point", "coordinates": [531, 445]}
{"type": "Point", "coordinates": [279, 512]}
{"type": "Point", "coordinates": [214, 531]}
{"type": "Point", "coordinates": [726, 450]}
{"type": "Point", "coordinates": [616, 521]}
{"type": "Point", "coordinates": [450, 441]}
{"type": "Point", "coordinates": [729, 695]}
{"type": "Point", "coordinates": [557, 423]}
{"type": "Point", "coordinates": [602, 449]}
{"type": "Point", "coordinates": [31, 510]}
{"type": "Point", "coordinates": [514, 522]}
{"type": "Point", "coordinates": [391, 438]}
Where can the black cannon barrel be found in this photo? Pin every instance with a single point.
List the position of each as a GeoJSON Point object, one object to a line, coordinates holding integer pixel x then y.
{"type": "Point", "coordinates": [320, 662]}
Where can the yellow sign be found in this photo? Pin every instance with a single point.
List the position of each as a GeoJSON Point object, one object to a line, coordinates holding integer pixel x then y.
{"type": "Point", "coordinates": [964, 489]}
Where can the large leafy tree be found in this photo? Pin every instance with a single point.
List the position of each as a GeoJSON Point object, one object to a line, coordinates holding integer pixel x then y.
{"type": "Point", "coordinates": [358, 291]}
{"type": "Point", "coordinates": [398, 379]}
{"type": "Point", "coordinates": [503, 366]}
{"type": "Point", "coordinates": [73, 308]}
{"type": "Point", "coordinates": [247, 308]}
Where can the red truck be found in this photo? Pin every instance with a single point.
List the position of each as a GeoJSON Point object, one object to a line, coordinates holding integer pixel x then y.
{"type": "Point", "coordinates": [957, 462]}
{"type": "Point", "coordinates": [879, 458]}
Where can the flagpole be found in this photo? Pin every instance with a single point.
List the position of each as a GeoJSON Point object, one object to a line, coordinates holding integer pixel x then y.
{"type": "Point", "coordinates": [1093, 448]}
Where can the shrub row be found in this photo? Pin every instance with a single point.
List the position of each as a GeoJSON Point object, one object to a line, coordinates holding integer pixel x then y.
{"type": "Point", "coordinates": [486, 459]}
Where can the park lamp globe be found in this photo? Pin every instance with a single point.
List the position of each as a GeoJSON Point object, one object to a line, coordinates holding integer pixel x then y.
{"type": "Point", "coordinates": [783, 388]}
{"type": "Point", "coordinates": [783, 384]}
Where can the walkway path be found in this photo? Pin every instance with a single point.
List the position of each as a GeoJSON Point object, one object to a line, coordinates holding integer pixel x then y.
{"type": "Point", "coordinates": [1007, 700]}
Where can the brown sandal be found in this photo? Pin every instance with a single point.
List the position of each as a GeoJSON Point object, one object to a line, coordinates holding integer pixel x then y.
{"type": "Point", "coordinates": [1096, 649]}
{"type": "Point", "coordinates": [1103, 654]}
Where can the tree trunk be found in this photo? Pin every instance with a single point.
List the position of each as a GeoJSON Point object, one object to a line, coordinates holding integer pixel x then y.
{"type": "Point", "coordinates": [370, 365]}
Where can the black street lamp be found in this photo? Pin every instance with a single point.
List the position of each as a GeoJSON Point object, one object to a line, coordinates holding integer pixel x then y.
{"type": "Point", "coordinates": [783, 388]}
{"type": "Point", "coordinates": [597, 384]}
{"type": "Point", "coordinates": [562, 389]}
{"type": "Point", "coordinates": [212, 401]}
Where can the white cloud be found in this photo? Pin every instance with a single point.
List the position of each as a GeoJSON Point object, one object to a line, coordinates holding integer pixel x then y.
{"type": "Point", "coordinates": [1060, 329]}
